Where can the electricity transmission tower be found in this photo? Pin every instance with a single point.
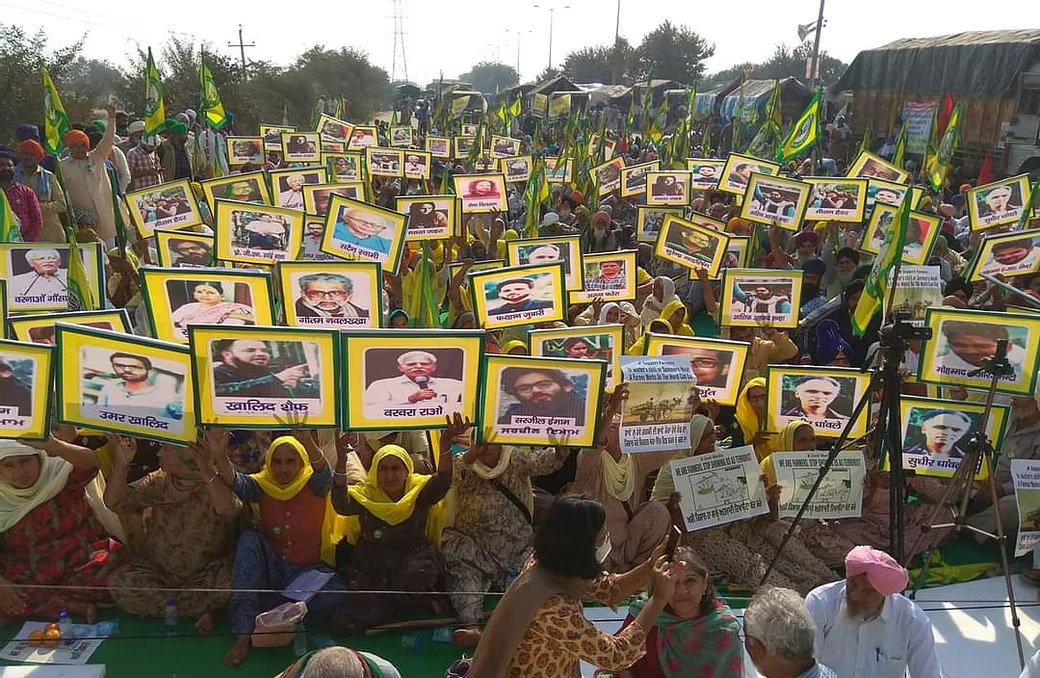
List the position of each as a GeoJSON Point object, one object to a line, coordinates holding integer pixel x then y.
{"type": "Point", "coordinates": [398, 17]}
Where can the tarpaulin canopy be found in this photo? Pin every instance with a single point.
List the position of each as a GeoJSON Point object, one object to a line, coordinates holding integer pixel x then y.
{"type": "Point", "coordinates": [982, 64]}
{"type": "Point", "coordinates": [756, 93]}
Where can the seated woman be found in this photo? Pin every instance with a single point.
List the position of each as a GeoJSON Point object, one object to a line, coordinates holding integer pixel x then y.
{"type": "Point", "coordinates": [190, 537]}
{"type": "Point", "coordinates": [539, 628]}
{"type": "Point", "coordinates": [696, 635]}
{"type": "Point", "coordinates": [751, 419]}
{"type": "Point", "coordinates": [398, 519]}
{"type": "Point", "coordinates": [51, 536]}
{"type": "Point", "coordinates": [290, 498]}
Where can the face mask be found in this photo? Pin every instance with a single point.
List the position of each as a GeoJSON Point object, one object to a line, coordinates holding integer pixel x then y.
{"type": "Point", "coordinates": [603, 550]}
{"type": "Point", "coordinates": [458, 449]}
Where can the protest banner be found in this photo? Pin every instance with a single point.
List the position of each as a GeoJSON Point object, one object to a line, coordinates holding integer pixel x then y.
{"type": "Point", "coordinates": [25, 389]}
{"type": "Point", "coordinates": [918, 116]}
{"type": "Point", "coordinates": [719, 487]}
{"type": "Point", "coordinates": [917, 288]}
{"type": "Point", "coordinates": [1025, 474]}
{"type": "Point", "coordinates": [840, 495]}
{"type": "Point", "coordinates": [661, 394]}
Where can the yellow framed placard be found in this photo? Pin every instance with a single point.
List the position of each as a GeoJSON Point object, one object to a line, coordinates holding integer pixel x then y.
{"type": "Point", "coordinates": [481, 193]}
{"type": "Point", "coordinates": [331, 295]}
{"type": "Point", "coordinates": [607, 175]}
{"type": "Point", "coordinates": [461, 146]}
{"type": "Point", "coordinates": [593, 342]}
{"type": "Point", "coordinates": [417, 165]}
{"type": "Point", "coordinates": [332, 147]}
{"type": "Point", "coordinates": [963, 339]}
{"type": "Point", "coordinates": [344, 167]}
{"type": "Point", "coordinates": [871, 166]}
{"type": "Point", "coordinates": [262, 377]}
{"type": "Point", "coordinates": [704, 173]}
{"type": "Point", "coordinates": [610, 276]}
{"type": "Point", "coordinates": [668, 189]}
{"type": "Point", "coordinates": [272, 136]}
{"type": "Point", "coordinates": [333, 129]}
{"type": "Point", "coordinates": [171, 206]}
{"type": "Point", "coordinates": [384, 162]}
{"type": "Point", "coordinates": [705, 220]}
{"type": "Point", "coordinates": [248, 187]}
{"type": "Point", "coordinates": [922, 231]}
{"type": "Point", "coordinates": [184, 249]}
{"type": "Point", "coordinates": [753, 297]}
{"type": "Point", "coordinates": [737, 171]}
{"type": "Point", "coordinates": [439, 147]}
{"type": "Point", "coordinates": [125, 384]}
{"type": "Point", "coordinates": [402, 136]}
{"type": "Point", "coordinates": [517, 168]}
{"type": "Point", "coordinates": [301, 147]}
{"type": "Point", "coordinates": [540, 401]}
{"type": "Point", "coordinates": [521, 295]}
{"type": "Point", "coordinates": [649, 220]}
{"type": "Point", "coordinates": [245, 151]}
{"type": "Point", "coordinates": [256, 234]}
{"type": "Point", "coordinates": [885, 193]}
{"type": "Point", "coordinates": [40, 329]}
{"type": "Point", "coordinates": [936, 433]}
{"type": "Point", "coordinates": [503, 147]}
{"type": "Point", "coordinates": [287, 185]}
{"type": "Point", "coordinates": [691, 245]}
{"type": "Point", "coordinates": [736, 252]}
{"type": "Point", "coordinates": [410, 379]}
{"type": "Point", "coordinates": [430, 217]}
{"type": "Point", "coordinates": [633, 178]}
{"type": "Point", "coordinates": [176, 298]}
{"type": "Point", "coordinates": [556, 173]}
{"type": "Point", "coordinates": [363, 137]}
{"type": "Point", "coordinates": [358, 231]}
{"type": "Point", "coordinates": [477, 267]}
{"type": "Point", "coordinates": [1010, 255]}
{"type": "Point", "coordinates": [882, 220]}
{"type": "Point", "coordinates": [26, 371]}
{"type": "Point", "coordinates": [316, 197]}
{"type": "Point", "coordinates": [823, 396]}
{"type": "Point", "coordinates": [841, 199]}
{"type": "Point", "coordinates": [997, 203]}
{"type": "Point", "coordinates": [313, 236]}
{"type": "Point", "coordinates": [538, 251]}
{"type": "Point", "coordinates": [775, 200]}
{"type": "Point", "coordinates": [37, 275]}
{"type": "Point", "coordinates": [718, 364]}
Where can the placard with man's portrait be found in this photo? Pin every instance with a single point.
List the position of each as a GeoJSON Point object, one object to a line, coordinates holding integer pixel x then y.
{"type": "Point", "coordinates": [503, 147]}
{"type": "Point", "coordinates": [997, 203]}
{"type": "Point", "coordinates": [402, 136]}
{"type": "Point", "coordinates": [823, 396]}
{"type": "Point", "coordinates": [25, 390]}
{"type": "Point", "coordinates": [671, 188]}
{"type": "Point", "coordinates": [1010, 255]}
{"type": "Point", "coordinates": [272, 136]}
{"type": "Point", "coordinates": [288, 184]}
{"type": "Point", "coordinates": [650, 219]}
{"type": "Point", "coordinates": [871, 166]}
{"type": "Point", "coordinates": [358, 231]}
{"type": "Point", "coordinates": [247, 187]}
{"type": "Point", "coordinates": [344, 167]}
{"type": "Point", "coordinates": [430, 217]}
{"type": "Point", "coordinates": [633, 178]}
{"type": "Point", "coordinates": [411, 379]}
{"type": "Point", "coordinates": [40, 328]}
{"type": "Point", "coordinates": [171, 205]}
{"type": "Point", "coordinates": [334, 130]}
{"type": "Point", "coordinates": [775, 200]}
{"type": "Point", "coordinates": [718, 364]}
{"type": "Point", "coordinates": [754, 297]}
{"type": "Point", "coordinates": [384, 162]}
{"type": "Point", "coordinates": [439, 147]}
{"type": "Point", "coordinates": [245, 151]}
{"type": "Point", "coordinates": [363, 137]}
{"type": "Point", "coordinates": [836, 199]}
{"type": "Point", "coordinates": [691, 245]}
{"type": "Point", "coordinates": [331, 295]}
{"type": "Point", "coordinates": [301, 147]}
{"type": "Point", "coordinates": [481, 193]}
{"type": "Point", "coordinates": [607, 176]}
{"type": "Point", "coordinates": [538, 251]}
{"type": "Point", "coordinates": [520, 295]}
{"type": "Point", "coordinates": [37, 274]}
{"type": "Point", "coordinates": [132, 385]}
{"type": "Point", "coordinates": [184, 249]}
{"type": "Point", "coordinates": [517, 168]}
{"type": "Point", "coordinates": [417, 165]}
{"type": "Point", "coordinates": [610, 276]}
{"type": "Point", "coordinates": [936, 434]}
{"type": "Point", "coordinates": [704, 173]}
{"type": "Point", "coordinates": [256, 234]}
{"type": "Point", "coordinates": [317, 197]}
{"type": "Point", "coordinates": [558, 172]}
{"type": "Point", "coordinates": [592, 342]}
{"type": "Point", "coordinates": [265, 377]}
{"type": "Point", "coordinates": [737, 171]}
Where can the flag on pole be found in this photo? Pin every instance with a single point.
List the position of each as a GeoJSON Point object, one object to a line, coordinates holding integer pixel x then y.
{"type": "Point", "coordinates": [81, 297]}
{"type": "Point", "coordinates": [804, 134]}
{"type": "Point", "coordinates": [419, 294]}
{"type": "Point", "coordinates": [55, 121]}
{"type": "Point", "coordinates": [10, 227]}
{"type": "Point", "coordinates": [888, 258]}
{"type": "Point", "coordinates": [986, 175]}
{"type": "Point", "coordinates": [941, 161]}
{"type": "Point", "coordinates": [212, 108]}
{"type": "Point", "coordinates": [868, 140]}
{"type": "Point", "coordinates": [1031, 205]}
{"type": "Point", "coordinates": [154, 107]}
{"type": "Point", "coordinates": [900, 153]}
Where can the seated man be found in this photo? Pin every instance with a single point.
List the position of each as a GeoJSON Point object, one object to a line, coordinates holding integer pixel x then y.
{"type": "Point", "coordinates": [340, 662]}
{"type": "Point", "coordinates": [779, 635]}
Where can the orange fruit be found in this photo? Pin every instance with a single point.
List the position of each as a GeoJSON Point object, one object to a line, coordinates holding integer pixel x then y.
{"type": "Point", "coordinates": [52, 627]}
{"type": "Point", "coordinates": [52, 638]}
{"type": "Point", "coordinates": [36, 638]}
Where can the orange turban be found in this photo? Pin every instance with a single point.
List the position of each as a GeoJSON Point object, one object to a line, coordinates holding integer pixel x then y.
{"type": "Point", "coordinates": [738, 225]}
{"type": "Point", "coordinates": [31, 146]}
{"type": "Point", "coordinates": [77, 138]}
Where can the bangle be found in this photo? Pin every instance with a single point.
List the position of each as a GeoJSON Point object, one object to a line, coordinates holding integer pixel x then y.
{"type": "Point", "coordinates": [210, 481]}
{"type": "Point", "coordinates": [337, 474]}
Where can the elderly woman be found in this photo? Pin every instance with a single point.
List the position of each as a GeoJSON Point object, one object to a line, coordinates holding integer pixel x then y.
{"type": "Point", "coordinates": [397, 521]}
{"type": "Point", "coordinates": [751, 419]}
{"type": "Point", "coordinates": [190, 536]}
{"type": "Point", "coordinates": [51, 536]}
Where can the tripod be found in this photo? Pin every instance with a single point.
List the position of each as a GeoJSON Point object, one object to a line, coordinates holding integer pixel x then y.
{"type": "Point", "coordinates": [979, 455]}
{"type": "Point", "coordinates": [888, 436]}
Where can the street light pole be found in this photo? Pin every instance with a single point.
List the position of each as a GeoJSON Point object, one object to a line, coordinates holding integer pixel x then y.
{"type": "Point", "coordinates": [815, 75]}
{"type": "Point", "coordinates": [551, 10]}
{"type": "Point", "coordinates": [617, 24]}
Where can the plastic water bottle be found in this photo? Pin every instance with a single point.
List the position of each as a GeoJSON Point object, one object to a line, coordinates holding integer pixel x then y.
{"type": "Point", "coordinates": [170, 616]}
{"type": "Point", "coordinates": [300, 640]}
{"type": "Point", "coordinates": [65, 626]}
{"type": "Point", "coordinates": [412, 641]}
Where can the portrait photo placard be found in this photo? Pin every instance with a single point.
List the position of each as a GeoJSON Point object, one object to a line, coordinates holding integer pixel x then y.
{"type": "Point", "coordinates": [1010, 255]}
{"type": "Point", "coordinates": [333, 129]}
{"type": "Point", "coordinates": [272, 136]}
{"type": "Point", "coordinates": [705, 220]}
{"type": "Point", "coordinates": [410, 379]}
{"type": "Point", "coordinates": [358, 231]}
{"type": "Point", "coordinates": [245, 151]}
{"type": "Point", "coordinates": [704, 173]}
{"type": "Point", "coordinates": [125, 384]}
{"type": "Point", "coordinates": [256, 234]}
{"type": "Point", "coordinates": [998, 203]}
{"type": "Point", "coordinates": [301, 147]}
{"type": "Point", "coordinates": [503, 147]}
{"type": "Point", "coordinates": [384, 162]}
{"type": "Point", "coordinates": [344, 167]}
{"type": "Point", "coordinates": [936, 434]}
{"type": "Point", "coordinates": [557, 172]}
{"type": "Point", "coordinates": [649, 220]}
{"type": "Point", "coordinates": [670, 188]}
{"type": "Point", "coordinates": [691, 245]}
{"type": "Point", "coordinates": [184, 249]}
{"type": "Point", "coordinates": [840, 199]}
{"type": "Point", "coordinates": [963, 339]}
{"type": "Point", "coordinates": [287, 185]}
{"type": "Point", "coordinates": [481, 193]}
{"type": "Point", "coordinates": [823, 396]}
{"type": "Point", "coordinates": [610, 276]}
{"type": "Point", "coordinates": [717, 364]}
{"type": "Point", "coordinates": [884, 193]}
{"type": "Point", "coordinates": [607, 175]}
{"type": "Point", "coordinates": [591, 342]}
{"type": "Point", "coordinates": [872, 166]}
{"type": "Point", "coordinates": [922, 231]}
{"type": "Point", "coordinates": [37, 274]}
{"type": "Point", "coordinates": [316, 197]}
{"type": "Point", "coordinates": [430, 217]}
{"type": "Point", "coordinates": [401, 136]}
{"type": "Point", "coordinates": [461, 146]}
{"type": "Point", "coordinates": [362, 137]}
{"type": "Point", "coordinates": [775, 200]}
{"type": "Point", "coordinates": [247, 187]}
{"type": "Point", "coordinates": [633, 178]}
{"type": "Point", "coordinates": [331, 295]}
{"type": "Point", "coordinates": [417, 165]}
{"type": "Point", "coordinates": [737, 171]}
{"type": "Point", "coordinates": [40, 329]}
{"type": "Point", "coordinates": [176, 298]}
{"type": "Point", "coordinates": [313, 236]}
{"type": "Point", "coordinates": [172, 205]}
{"type": "Point", "coordinates": [539, 251]}
{"type": "Point", "coordinates": [753, 297]}
{"type": "Point", "coordinates": [439, 147]}
{"type": "Point", "coordinates": [477, 267]}
{"type": "Point", "coordinates": [540, 401]}
{"type": "Point", "coordinates": [736, 252]}
{"type": "Point", "coordinates": [250, 377]}
{"type": "Point", "coordinates": [26, 371]}
{"type": "Point", "coordinates": [517, 168]}
{"type": "Point", "coordinates": [520, 295]}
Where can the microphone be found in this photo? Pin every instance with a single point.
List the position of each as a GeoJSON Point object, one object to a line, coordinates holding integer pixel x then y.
{"type": "Point", "coordinates": [422, 381]}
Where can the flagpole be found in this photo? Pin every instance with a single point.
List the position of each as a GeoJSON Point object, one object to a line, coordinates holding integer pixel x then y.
{"type": "Point", "coordinates": [815, 74]}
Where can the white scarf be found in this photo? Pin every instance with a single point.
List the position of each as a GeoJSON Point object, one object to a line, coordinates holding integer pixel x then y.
{"type": "Point", "coordinates": [490, 473]}
{"type": "Point", "coordinates": [619, 477]}
{"type": "Point", "coordinates": [16, 503]}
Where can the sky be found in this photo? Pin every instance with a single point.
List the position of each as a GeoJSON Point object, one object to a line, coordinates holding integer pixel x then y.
{"type": "Point", "coordinates": [447, 37]}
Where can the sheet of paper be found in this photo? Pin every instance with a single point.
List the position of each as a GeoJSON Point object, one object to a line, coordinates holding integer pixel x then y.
{"type": "Point", "coordinates": [69, 652]}
{"type": "Point", "coordinates": [719, 487]}
{"type": "Point", "coordinates": [840, 495]}
{"type": "Point", "coordinates": [656, 415]}
{"type": "Point", "coordinates": [1025, 473]}
{"type": "Point", "coordinates": [306, 584]}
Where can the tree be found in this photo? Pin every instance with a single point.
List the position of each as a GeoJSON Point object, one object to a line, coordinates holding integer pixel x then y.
{"type": "Point", "coordinates": [489, 78]}
{"type": "Point", "coordinates": [608, 65]}
{"type": "Point", "coordinates": [785, 63]}
{"type": "Point", "coordinates": [671, 53]}
{"type": "Point", "coordinates": [88, 83]}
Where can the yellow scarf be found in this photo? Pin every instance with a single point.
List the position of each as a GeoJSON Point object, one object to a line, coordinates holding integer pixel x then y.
{"type": "Point", "coordinates": [747, 419]}
{"type": "Point", "coordinates": [619, 477]}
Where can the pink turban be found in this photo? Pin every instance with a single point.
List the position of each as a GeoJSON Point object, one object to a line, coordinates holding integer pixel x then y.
{"type": "Point", "coordinates": [883, 572]}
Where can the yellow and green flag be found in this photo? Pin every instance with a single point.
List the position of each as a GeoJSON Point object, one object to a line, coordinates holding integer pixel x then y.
{"type": "Point", "coordinates": [81, 297]}
{"type": "Point", "coordinates": [1031, 205]}
{"type": "Point", "coordinates": [10, 228]}
{"type": "Point", "coordinates": [212, 108]}
{"type": "Point", "coordinates": [55, 121]}
{"type": "Point", "coordinates": [560, 105]}
{"type": "Point", "coordinates": [516, 109]}
{"type": "Point", "coordinates": [888, 258]}
{"type": "Point", "coordinates": [154, 107]}
{"type": "Point", "coordinates": [940, 162]}
{"type": "Point", "coordinates": [900, 153]}
{"type": "Point", "coordinates": [804, 134]}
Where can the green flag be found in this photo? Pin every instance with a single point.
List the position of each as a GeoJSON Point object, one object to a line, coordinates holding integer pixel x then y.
{"type": "Point", "coordinates": [55, 120]}
{"type": "Point", "coordinates": [212, 108]}
{"type": "Point", "coordinates": [868, 140]}
{"type": "Point", "coordinates": [81, 297]}
{"type": "Point", "coordinates": [10, 228]}
{"type": "Point", "coordinates": [1031, 205]}
{"type": "Point", "coordinates": [516, 109]}
{"type": "Point", "coordinates": [940, 162]}
{"type": "Point", "coordinates": [804, 134]}
{"type": "Point", "coordinates": [154, 107]}
{"type": "Point", "coordinates": [899, 154]}
{"type": "Point", "coordinates": [888, 258]}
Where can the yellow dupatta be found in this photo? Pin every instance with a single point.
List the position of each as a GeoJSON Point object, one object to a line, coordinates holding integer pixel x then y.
{"type": "Point", "coordinates": [785, 444]}
{"type": "Point", "coordinates": [748, 420]}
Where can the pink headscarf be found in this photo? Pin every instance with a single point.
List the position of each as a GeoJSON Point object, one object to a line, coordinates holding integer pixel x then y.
{"type": "Point", "coordinates": [883, 572]}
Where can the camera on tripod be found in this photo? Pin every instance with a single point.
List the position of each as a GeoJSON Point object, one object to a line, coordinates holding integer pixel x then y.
{"type": "Point", "coordinates": [902, 330]}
